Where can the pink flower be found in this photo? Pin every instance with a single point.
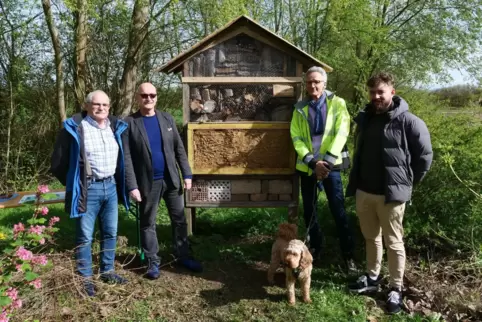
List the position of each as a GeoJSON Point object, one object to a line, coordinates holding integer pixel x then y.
{"type": "Point", "coordinates": [19, 267]}
{"type": "Point", "coordinates": [43, 189]}
{"type": "Point", "coordinates": [12, 293]}
{"type": "Point", "coordinates": [37, 283]}
{"type": "Point", "coordinates": [4, 317]}
{"type": "Point", "coordinates": [24, 254]}
{"type": "Point", "coordinates": [37, 230]}
{"type": "Point", "coordinates": [42, 241]}
{"type": "Point", "coordinates": [17, 304]}
{"type": "Point", "coordinates": [53, 220]}
{"type": "Point", "coordinates": [18, 228]}
{"type": "Point", "coordinates": [45, 211]}
{"type": "Point", "coordinates": [41, 260]}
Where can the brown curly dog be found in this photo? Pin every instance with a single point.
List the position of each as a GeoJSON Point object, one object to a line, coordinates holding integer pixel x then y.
{"type": "Point", "coordinates": [296, 259]}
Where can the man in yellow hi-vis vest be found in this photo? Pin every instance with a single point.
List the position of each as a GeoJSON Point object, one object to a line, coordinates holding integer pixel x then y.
{"type": "Point", "coordinates": [319, 130]}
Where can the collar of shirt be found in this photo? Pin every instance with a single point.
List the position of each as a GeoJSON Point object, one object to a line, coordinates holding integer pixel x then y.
{"type": "Point", "coordinates": [94, 123]}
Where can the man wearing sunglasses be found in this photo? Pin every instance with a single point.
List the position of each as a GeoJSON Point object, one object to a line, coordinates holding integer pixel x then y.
{"type": "Point", "coordinates": [153, 152]}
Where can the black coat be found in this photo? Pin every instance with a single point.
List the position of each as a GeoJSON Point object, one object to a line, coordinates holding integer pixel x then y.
{"type": "Point", "coordinates": [138, 156]}
{"type": "Point", "coordinates": [407, 151]}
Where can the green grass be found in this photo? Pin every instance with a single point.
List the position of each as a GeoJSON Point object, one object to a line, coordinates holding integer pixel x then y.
{"type": "Point", "coordinates": [232, 243]}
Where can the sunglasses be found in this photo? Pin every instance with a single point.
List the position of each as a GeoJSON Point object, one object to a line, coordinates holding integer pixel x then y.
{"type": "Point", "coordinates": [148, 95]}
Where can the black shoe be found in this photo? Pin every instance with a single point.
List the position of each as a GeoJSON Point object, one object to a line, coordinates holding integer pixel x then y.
{"type": "Point", "coordinates": [89, 288]}
{"type": "Point", "coordinates": [153, 271]}
{"type": "Point", "coordinates": [191, 264]}
{"type": "Point", "coordinates": [394, 302]}
{"type": "Point", "coordinates": [365, 284]}
{"type": "Point", "coordinates": [112, 278]}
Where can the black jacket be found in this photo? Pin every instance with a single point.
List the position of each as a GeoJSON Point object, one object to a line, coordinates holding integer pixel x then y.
{"type": "Point", "coordinates": [407, 151]}
{"type": "Point", "coordinates": [137, 151]}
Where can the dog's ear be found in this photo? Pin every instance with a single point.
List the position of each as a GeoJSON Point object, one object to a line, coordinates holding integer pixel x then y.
{"type": "Point", "coordinates": [306, 258]}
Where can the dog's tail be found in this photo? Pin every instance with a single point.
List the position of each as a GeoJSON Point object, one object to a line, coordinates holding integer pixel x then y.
{"type": "Point", "coordinates": [287, 231]}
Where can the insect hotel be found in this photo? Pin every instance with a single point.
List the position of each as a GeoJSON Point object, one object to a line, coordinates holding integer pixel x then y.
{"type": "Point", "coordinates": [239, 87]}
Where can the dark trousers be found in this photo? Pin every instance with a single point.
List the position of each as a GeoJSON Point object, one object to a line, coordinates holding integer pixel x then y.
{"type": "Point", "coordinates": [173, 198]}
{"type": "Point", "coordinates": [333, 187]}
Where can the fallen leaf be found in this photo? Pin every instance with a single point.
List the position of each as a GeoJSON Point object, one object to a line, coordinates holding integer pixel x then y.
{"type": "Point", "coordinates": [66, 311]}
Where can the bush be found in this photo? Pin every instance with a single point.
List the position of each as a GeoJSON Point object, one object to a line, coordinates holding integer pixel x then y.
{"type": "Point", "coordinates": [19, 267]}
{"type": "Point", "coordinates": [445, 213]}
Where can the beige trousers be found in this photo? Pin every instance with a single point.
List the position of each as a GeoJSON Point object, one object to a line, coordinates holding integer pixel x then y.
{"type": "Point", "coordinates": [377, 219]}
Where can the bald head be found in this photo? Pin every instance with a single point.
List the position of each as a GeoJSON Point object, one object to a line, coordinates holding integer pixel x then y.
{"type": "Point", "coordinates": [147, 98]}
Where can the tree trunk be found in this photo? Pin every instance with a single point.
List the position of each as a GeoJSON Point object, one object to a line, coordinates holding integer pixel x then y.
{"type": "Point", "coordinates": [137, 37]}
{"type": "Point", "coordinates": [80, 74]}
{"type": "Point", "coordinates": [9, 131]}
{"type": "Point", "coordinates": [54, 34]}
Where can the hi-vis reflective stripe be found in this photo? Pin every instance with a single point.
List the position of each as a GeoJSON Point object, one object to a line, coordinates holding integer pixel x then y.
{"type": "Point", "coordinates": [330, 158]}
{"type": "Point", "coordinates": [345, 154]}
{"type": "Point", "coordinates": [308, 158]}
{"type": "Point", "coordinates": [297, 138]}
{"type": "Point", "coordinates": [343, 133]}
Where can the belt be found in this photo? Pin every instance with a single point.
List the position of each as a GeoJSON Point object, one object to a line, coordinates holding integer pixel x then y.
{"type": "Point", "coordinates": [100, 180]}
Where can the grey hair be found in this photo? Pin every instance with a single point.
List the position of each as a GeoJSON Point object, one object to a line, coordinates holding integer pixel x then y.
{"type": "Point", "coordinates": [88, 98]}
{"type": "Point", "coordinates": [317, 69]}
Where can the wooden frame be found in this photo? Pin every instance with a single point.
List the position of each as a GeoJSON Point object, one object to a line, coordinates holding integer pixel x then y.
{"type": "Point", "coordinates": [191, 127]}
{"type": "Point", "coordinates": [293, 203]}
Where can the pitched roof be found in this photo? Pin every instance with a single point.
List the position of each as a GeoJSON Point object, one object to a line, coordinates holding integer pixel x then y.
{"type": "Point", "coordinates": [243, 24]}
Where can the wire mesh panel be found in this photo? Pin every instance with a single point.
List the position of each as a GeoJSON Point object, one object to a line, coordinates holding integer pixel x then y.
{"type": "Point", "coordinates": [210, 191]}
{"type": "Point", "coordinates": [199, 191]}
{"type": "Point", "coordinates": [219, 190]}
{"type": "Point", "coordinates": [242, 55]}
{"type": "Point", "coordinates": [241, 102]}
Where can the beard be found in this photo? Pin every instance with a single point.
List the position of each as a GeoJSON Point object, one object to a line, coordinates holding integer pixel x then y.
{"type": "Point", "coordinates": [380, 106]}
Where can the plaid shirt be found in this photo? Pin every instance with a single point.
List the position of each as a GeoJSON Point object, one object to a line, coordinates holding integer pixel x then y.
{"type": "Point", "coordinates": [100, 147]}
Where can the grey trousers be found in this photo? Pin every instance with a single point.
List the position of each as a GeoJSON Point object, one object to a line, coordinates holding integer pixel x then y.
{"type": "Point", "coordinates": [173, 198]}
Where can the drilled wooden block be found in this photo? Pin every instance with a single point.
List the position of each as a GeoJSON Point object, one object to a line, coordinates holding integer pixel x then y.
{"type": "Point", "coordinates": [241, 197]}
{"type": "Point", "coordinates": [264, 186]}
{"type": "Point", "coordinates": [245, 186]}
{"type": "Point", "coordinates": [258, 196]}
{"type": "Point", "coordinates": [285, 197]}
{"type": "Point", "coordinates": [280, 187]}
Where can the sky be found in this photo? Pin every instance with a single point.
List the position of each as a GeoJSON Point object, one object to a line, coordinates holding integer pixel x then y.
{"type": "Point", "coordinates": [459, 77]}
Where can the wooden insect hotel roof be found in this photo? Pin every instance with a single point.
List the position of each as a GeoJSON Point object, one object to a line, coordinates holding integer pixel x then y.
{"type": "Point", "coordinates": [249, 27]}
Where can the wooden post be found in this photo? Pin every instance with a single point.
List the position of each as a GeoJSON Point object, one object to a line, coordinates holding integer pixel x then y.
{"type": "Point", "coordinates": [186, 115]}
{"type": "Point", "coordinates": [293, 209]}
{"type": "Point", "coordinates": [299, 69]}
{"type": "Point", "coordinates": [190, 219]}
{"type": "Point", "coordinates": [293, 214]}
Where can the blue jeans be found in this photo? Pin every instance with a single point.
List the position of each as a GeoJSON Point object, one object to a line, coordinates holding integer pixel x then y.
{"type": "Point", "coordinates": [333, 187]}
{"type": "Point", "coordinates": [101, 204]}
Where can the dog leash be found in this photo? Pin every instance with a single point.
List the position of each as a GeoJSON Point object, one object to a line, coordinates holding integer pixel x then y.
{"type": "Point", "coordinates": [318, 187]}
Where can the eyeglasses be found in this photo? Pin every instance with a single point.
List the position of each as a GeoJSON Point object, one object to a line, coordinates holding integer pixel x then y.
{"type": "Point", "coordinates": [144, 96]}
{"type": "Point", "coordinates": [98, 105]}
{"type": "Point", "coordinates": [314, 82]}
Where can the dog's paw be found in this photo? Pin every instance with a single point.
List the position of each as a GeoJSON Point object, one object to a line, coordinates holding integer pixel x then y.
{"type": "Point", "coordinates": [308, 300]}
{"type": "Point", "coordinates": [292, 303]}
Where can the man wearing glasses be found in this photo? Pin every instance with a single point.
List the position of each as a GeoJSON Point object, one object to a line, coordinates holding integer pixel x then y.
{"type": "Point", "coordinates": [153, 153]}
{"type": "Point", "coordinates": [89, 162]}
{"type": "Point", "coordinates": [319, 131]}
